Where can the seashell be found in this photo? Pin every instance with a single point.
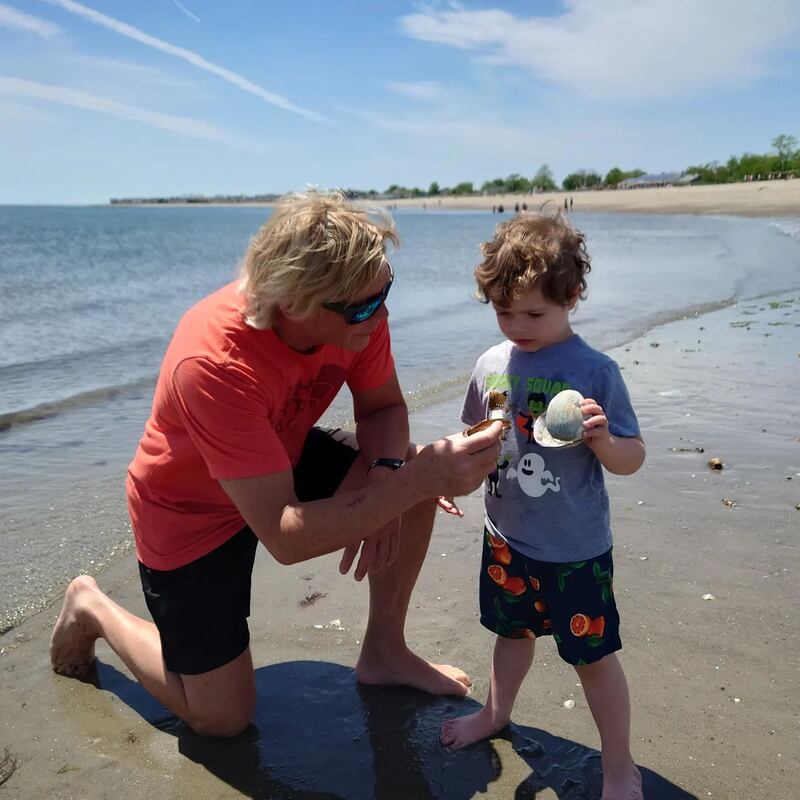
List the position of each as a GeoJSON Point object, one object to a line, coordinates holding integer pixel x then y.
{"type": "Point", "coordinates": [562, 423]}
{"type": "Point", "coordinates": [497, 402]}
{"type": "Point", "coordinates": [563, 417]}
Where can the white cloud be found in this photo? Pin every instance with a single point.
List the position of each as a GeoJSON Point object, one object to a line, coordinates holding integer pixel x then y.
{"type": "Point", "coordinates": [11, 110]}
{"type": "Point", "coordinates": [118, 67]}
{"type": "Point", "coordinates": [186, 126]}
{"type": "Point", "coordinates": [195, 59]}
{"type": "Point", "coordinates": [418, 90]}
{"type": "Point", "coordinates": [625, 49]}
{"type": "Point", "coordinates": [17, 20]}
{"type": "Point", "coordinates": [186, 11]}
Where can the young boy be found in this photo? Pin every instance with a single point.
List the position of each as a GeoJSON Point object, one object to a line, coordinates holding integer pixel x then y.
{"type": "Point", "coordinates": [547, 566]}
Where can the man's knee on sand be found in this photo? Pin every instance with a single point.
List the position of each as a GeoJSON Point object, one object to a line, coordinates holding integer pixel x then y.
{"type": "Point", "coordinates": [230, 721]}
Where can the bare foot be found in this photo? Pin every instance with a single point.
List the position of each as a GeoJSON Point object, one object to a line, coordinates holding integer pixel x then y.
{"type": "Point", "coordinates": [625, 786]}
{"type": "Point", "coordinates": [462, 731]}
{"type": "Point", "coordinates": [408, 669]}
{"type": "Point", "coordinates": [74, 634]}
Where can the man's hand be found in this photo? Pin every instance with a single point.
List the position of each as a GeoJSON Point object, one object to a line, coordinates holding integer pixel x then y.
{"type": "Point", "coordinates": [458, 464]}
{"type": "Point", "coordinates": [444, 469]}
{"type": "Point", "coordinates": [377, 551]}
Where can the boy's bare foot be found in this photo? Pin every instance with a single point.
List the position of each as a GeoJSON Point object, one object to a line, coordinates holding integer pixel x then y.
{"type": "Point", "coordinates": [408, 669]}
{"type": "Point", "coordinates": [462, 731]}
{"type": "Point", "coordinates": [74, 634]}
{"type": "Point", "coordinates": [624, 786]}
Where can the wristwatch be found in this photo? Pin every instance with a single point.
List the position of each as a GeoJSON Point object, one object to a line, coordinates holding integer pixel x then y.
{"type": "Point", "coordinates": [391, 463]}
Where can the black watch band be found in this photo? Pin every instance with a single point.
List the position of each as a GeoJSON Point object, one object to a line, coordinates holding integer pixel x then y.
{"type": "Point", "coordinates": [391, 463]}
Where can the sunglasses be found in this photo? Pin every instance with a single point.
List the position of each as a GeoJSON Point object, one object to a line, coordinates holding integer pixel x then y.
{"type": "Point", "coordinates": [354, 313]}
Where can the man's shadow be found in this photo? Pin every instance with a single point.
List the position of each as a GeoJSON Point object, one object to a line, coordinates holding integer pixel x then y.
{"type": "Point", "coordinates": [318, 735]}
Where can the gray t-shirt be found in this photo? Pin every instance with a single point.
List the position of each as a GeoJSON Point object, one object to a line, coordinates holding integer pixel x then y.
{"type": "Point", "coordinates": [549, 503]}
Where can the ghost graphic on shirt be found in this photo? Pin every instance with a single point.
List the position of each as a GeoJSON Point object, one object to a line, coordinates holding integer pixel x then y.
{"type": "Point", "coordinates": [533, 478]}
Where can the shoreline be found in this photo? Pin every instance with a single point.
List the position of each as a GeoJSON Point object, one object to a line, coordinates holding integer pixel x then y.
{"type": "Point", "coordinates": [107, 510]}
{"type": "Point", "coordinates": [713, 709]}
{"type": "Point", "coordinates": [777, 198]}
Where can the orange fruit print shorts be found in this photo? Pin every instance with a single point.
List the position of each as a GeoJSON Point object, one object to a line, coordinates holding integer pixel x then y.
{"type": "Point", "coordinates": [572, 602]}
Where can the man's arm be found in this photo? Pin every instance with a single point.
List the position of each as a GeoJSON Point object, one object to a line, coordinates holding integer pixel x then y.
{"type": "Point", "coordinates": [382, 432]}
{"type": "Point", "coordinates": [381, 418]}
{"type": "Point", "coordinates": [294, 531]}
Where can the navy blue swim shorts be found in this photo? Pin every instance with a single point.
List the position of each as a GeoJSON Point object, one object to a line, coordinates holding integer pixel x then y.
{"type": "Point", "coordinates": [572, 602]}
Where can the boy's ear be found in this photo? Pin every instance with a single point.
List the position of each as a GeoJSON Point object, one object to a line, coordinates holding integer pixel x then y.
{"type": "Point", "coordinates": [573, 300]}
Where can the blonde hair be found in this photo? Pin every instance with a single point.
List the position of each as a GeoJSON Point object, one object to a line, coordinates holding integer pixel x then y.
{"type": "Point", "coordinates": [317, 247]}
{"type": "Point", "coordinates": [533, 250]}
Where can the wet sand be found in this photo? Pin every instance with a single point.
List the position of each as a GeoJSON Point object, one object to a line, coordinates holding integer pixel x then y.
{"type": "Point", "coordinates": [713, 682]}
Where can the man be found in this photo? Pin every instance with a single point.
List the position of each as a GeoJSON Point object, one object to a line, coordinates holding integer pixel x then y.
{"type": "Point", "coordinates": [230, 457]}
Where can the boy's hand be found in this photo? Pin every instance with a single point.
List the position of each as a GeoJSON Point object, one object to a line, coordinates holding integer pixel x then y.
{"type": "Point", "coordinates": [448, 504]}
{"type": "Point", "coordinates": [595, 425]}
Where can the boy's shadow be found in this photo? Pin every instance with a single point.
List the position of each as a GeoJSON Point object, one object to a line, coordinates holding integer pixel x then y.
{"type": "Point", "coordinates": [318, 735]}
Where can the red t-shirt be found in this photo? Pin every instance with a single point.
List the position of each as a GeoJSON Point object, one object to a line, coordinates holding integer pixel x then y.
{"type": "Point", "coordinates": [231, 402]}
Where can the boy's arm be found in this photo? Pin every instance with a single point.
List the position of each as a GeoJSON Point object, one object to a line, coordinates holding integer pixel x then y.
{"type": "Point", "coordinates": [622, 455]}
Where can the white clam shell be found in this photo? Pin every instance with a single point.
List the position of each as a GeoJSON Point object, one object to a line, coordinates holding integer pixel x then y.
{"type": "Point", "coordinates": [562, 423]}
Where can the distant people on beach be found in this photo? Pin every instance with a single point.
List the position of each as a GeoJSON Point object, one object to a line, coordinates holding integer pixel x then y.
{"type": "Point", "coordinates": [524, 206]}
{"type": "Point", "coordinates": [566, 204]}
{"type": "Point", "coordinates": [547, 567]}
{"type": "Point", "coordinates": [516, 208]}
{"type": "Point", "coordinates": [232, 458]}
{"type": "Point", "coordinates": [570, 203]}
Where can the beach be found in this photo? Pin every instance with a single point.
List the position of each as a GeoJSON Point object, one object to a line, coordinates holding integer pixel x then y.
{"type": "Point", "coordinates": [751, 199]}
{"type": "Point", "coordinates": [706, 581]}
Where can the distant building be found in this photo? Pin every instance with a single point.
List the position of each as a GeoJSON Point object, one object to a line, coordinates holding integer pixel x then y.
{"type": "Point", "coordinates": [662, 179]}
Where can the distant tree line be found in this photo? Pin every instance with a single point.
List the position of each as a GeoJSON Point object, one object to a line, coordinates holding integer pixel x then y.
{"type": "Point", "coordinates": [199, 199]}
{"type": "Point", "coordinates": [751, 166]}
{"type": "Point", "coordinates": [783, 161]}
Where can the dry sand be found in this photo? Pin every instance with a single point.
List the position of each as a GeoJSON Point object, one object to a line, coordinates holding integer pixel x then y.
{"type": "Point", "coordinates": [713, 682]}
{"type": "Point", "coordinates": [762, 199]}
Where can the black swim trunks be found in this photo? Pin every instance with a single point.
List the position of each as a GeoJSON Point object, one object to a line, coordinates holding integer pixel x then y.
{"type": "Point", "coordinates": [201, 609]}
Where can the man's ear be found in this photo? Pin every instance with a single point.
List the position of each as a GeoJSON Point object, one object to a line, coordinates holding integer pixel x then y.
{"type": "Point", "coordinates": [286, 313]}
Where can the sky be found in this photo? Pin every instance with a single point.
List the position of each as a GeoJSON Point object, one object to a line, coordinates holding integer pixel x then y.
{"type": "Point", "coordinates": [107, 98]}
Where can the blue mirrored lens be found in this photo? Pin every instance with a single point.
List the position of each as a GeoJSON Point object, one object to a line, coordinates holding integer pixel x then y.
{"type": "Point", "coordinates": [365, 312]}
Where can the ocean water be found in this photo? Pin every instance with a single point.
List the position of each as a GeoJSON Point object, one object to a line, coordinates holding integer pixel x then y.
{"type": "Point", "coordinates": [89, 298]}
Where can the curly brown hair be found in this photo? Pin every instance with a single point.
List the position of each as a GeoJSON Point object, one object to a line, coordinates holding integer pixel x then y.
{"type": "Point", "coordinates": [533, 250]}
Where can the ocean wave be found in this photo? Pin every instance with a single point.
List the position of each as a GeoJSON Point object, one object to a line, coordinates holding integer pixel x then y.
{"type": "Point", "coordinates": [787, 228]}
{"type": "Point", "coordinates": [439, 312]}
{"type": "Point", "coordinates": [24, 416]}
{"type": "Point", "coordinates": [81, 358]}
